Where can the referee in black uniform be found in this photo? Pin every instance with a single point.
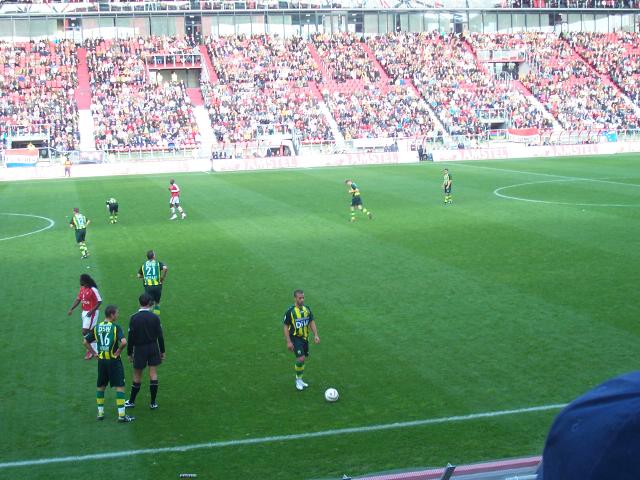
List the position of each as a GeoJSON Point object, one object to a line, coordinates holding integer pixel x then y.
{"type": "Point", "coordinates": [145, 346]}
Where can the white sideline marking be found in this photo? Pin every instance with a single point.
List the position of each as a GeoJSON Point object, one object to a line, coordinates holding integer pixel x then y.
{"type": "Point", "coordinates": [51, 224]}
{"type": "Point", "coordinates": [566, 177]}
{"type": "Point", "coordinates": [276, 438]}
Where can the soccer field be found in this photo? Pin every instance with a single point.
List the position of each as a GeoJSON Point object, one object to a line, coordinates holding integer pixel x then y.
{"type": "Point", "coordinates": [519, 295]}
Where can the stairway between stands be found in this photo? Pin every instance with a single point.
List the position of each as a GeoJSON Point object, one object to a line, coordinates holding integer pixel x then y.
{"type": "Point", "coordinates": [206, 63]}
{"type": "Point", "coordinates": [82, 97]}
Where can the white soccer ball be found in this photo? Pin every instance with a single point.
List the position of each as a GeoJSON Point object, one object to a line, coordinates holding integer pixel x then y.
{"type": "Point", "coordinates": [331, 395]}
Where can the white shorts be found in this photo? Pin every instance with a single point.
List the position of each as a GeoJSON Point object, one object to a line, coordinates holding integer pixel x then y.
{"type": "Point", "coordinates": [87, 322]}
{"type": "Point", "coordinates": [174, 201]}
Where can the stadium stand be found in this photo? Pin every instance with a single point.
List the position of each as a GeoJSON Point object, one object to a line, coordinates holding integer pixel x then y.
{"type": "Point", "coordinates": [615, 55]}
{"type": "Point", "coordinates": [572, 90]}
{"type": "Point", "coordinates": [265, 85]}
{"type": "Point", "coordinates": [244, 112]}
{"type": "Point", "coordinates": [37, 82]}
{"type": "Point", "coordinates": [357, 92]}
{"type": "Point", "coordinates": [379, 111]}
{"type": "Point", "coordinates": [398, 85]}
{"type": "Point", "coordinates": [130, 111]}
{"type": "Point", "coordinates": [444, 68]}
{"type": "Point", "coordinates": [344, 58]}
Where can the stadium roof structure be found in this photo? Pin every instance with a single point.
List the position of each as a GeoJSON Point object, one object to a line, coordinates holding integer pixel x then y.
{"type": "Point", "coordinates": [88, 6]}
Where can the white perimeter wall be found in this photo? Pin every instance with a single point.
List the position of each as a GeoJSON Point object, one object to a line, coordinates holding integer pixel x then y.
{"type": "Point", "coordinates": [523, 151]}
{"type": "Point", "coordinates": [200, 165]}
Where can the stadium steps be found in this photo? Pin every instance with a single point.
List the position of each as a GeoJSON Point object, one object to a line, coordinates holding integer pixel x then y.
{"type": "Point", "coordinates": [206, 63]}
{"type": "Point", "coordinates": [207, 137]}
{"type": "Point", "coordinates": [329, 85]}
{"type": "Point", "coordinates": [333, 125]}
{"type": "Point", "coordinates": [316, 57]}
{"type": "Point", "coordinates": [520, 87]}
{"type": "Point", "coordinates": [606, 78]}
{"type": "Point", "coordinates": [87, 131]}
{"type": "Point", "coordinates": [82, 97]}
{"type": "Point", "coordinates": [315, 90]}
{"type": "Point", "coordinates": [195, 95]}
{"type": "Point", "coordinates": [432, 115]}
{"type": "Point", "coordinates": [372, 58]}
{"type": "Point", "coordinates": [83, 92]}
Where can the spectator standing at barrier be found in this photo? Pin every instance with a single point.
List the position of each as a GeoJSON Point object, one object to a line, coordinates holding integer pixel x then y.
{"type": "Point", "coordinates": [596, 436]}
{"type": "Point", "coordinates": [67, 166]}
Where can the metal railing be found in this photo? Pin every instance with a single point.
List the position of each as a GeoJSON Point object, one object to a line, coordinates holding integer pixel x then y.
{"type": "Point", "coordinates": [141, 154]}
{"type": "Point", "coordinates": [253, 149]}
{"type": "Point", "coordinates": [461, 6]}
{"type": "Point", "coordinates": [502, 55]}
{"type": "Point", "coordinates": [174, 60]}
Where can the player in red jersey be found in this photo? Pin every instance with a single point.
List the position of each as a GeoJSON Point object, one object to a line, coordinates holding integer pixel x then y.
{"type": "Point", "coordinates": [90, 298]}
{"type": "Point", "coordinates": [174, 201]}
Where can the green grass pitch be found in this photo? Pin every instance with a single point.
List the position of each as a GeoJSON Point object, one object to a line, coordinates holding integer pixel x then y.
{"type": "Point", "coordinates": [427, 311]}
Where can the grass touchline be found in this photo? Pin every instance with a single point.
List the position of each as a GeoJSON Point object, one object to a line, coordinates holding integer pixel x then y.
{"type": "Point", "coordinates": [280, 438]}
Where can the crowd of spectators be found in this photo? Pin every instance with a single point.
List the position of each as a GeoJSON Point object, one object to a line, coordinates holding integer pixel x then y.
{"type": "Point", "coordinates": [569, 88]}
{"type": "Point", "coordinates": [243, 112]}
{"type": "Point", "coordinates": [265, 86]}
{"type": "Point", "coordinates": [261, 59]}
{"type": "Point", "coordinates": [344, 57]}
{"type": "Point", "coordinates": [37, 85]}
{"type": "Point", "coordinates": [171, 50]}
{"type": "Point", "coordinates": [467, 98]}
{"type": "Point", "coordinates": [376, 112]}
{"type": "Point", "coordinates": [268, 85]}
{"type": "Point", "coordinates": [401, 54]}
{"type": "Point", "coordinates": [129, 110]}
{"type": "Point", "coordinates": [616, 55]}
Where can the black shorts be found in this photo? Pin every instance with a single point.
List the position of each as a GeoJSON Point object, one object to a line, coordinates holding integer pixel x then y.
{"type": "Point", "coordinates": [144, 355]}
{"type": "Point", "coordinates": [356, 201]}
{"type": "Point", "coordinates": [447, 190]}
{"type": "Point", "coordinates": [80, 234]}
{"type": "Point", "coordinates": [300, 347]}
{"type": "Point", "coordinates": [113, 208]}
{"type": "Point", "coordinates": [110, 372]}
{"type": "Point", "coordinates": [155, 291]}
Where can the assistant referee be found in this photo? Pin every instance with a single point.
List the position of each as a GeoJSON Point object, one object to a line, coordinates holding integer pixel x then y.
{"type": "Point", "coordinates": [145, 346]}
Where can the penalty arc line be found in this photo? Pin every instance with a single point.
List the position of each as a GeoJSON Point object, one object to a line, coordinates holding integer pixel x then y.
{"type": "Point", "coordinates": [51, 224]}
{"type": "Point", "coordinates": [498, 192]}
{"type": "Point", "coordinates": [277, 438]}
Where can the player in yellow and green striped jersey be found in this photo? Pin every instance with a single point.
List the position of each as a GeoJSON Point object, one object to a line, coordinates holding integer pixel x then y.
{"type": "Point", "coordinates": [356, 201]}
{"type": "Point", "coordinates": [112, 206]}
{"type": "Point", "coordinates": [298, 320]}
{"type": "Point", "coordinates": [110, 341]}
{"type": "Point", "coordinates": [152, 272]}
{"type": "Point", "coordinates": [80, 223]}
{"type": "Point", "coordinates": [447, 183]}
